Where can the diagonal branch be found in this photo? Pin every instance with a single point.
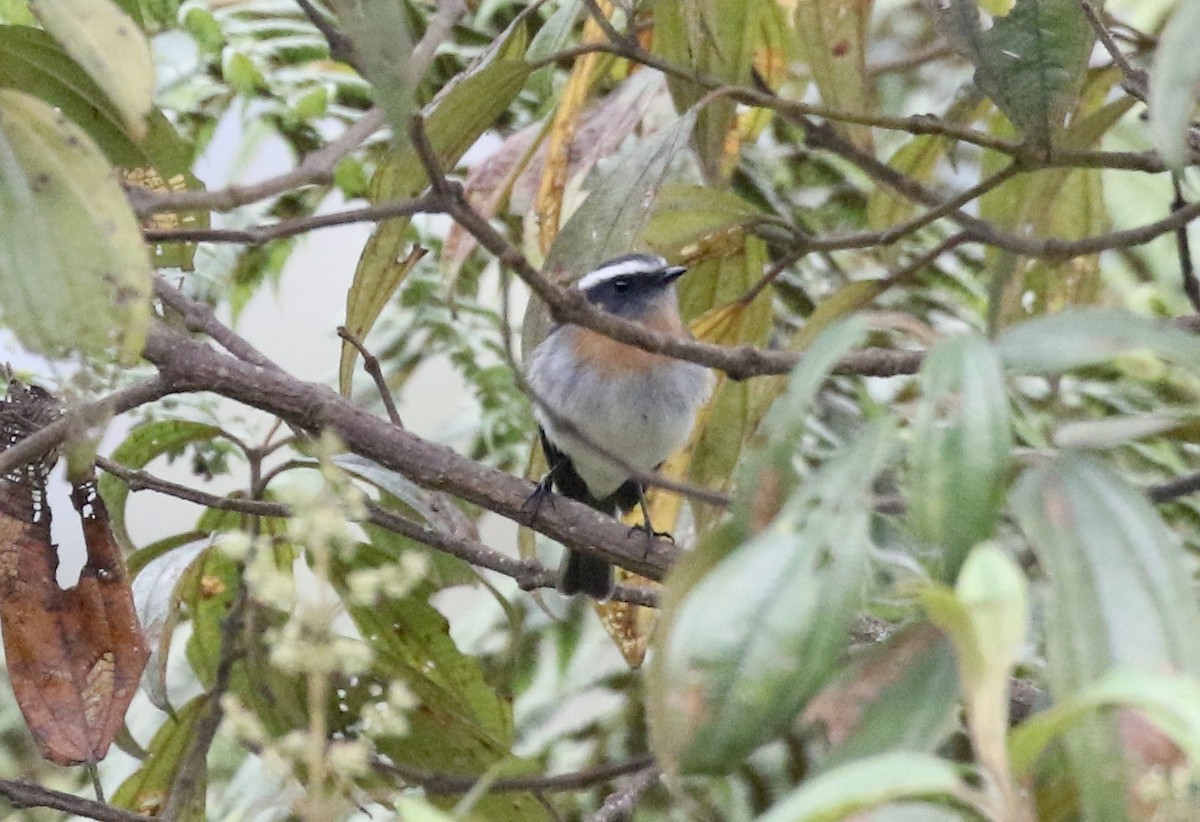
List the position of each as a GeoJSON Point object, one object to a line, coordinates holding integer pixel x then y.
{"type": "Point", "coordinates": [27, 795]}
{"type": "Point", "coordinates": [188, 365]}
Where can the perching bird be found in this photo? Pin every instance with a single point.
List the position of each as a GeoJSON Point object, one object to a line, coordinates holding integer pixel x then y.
{"type": "Point", "coordinates": [637, 406]}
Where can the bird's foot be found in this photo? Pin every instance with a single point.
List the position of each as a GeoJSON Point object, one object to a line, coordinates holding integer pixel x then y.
{"type": "Point", "coordinates": [534, 502]}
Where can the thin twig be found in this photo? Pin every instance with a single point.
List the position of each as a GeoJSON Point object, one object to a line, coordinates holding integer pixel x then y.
{"type": "Point", "coordinates": [27, 795]}
{"type": "Point", "coordinates": [1186, 269]}
{"type": "Point", "coordinates": [76, 421]}
{"type": "Point", "coordinates": [1135, 81]}
{"type": "Point", "coordinates": [620, 804]}
{"type": "Point", "coordinates": [372, 367]}
{"type": "Point", "coordinates": [257, 235]}
{"type": "Point", "coordinates": [341, 48]}
{"type": "Point", "coordinates": [442, 784]}
{"type": "Point", "coordinates": [316, 168]}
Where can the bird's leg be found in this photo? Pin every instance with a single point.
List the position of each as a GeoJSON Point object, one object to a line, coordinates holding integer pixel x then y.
{"type": "Point", "coordinates": [646, 526]}
{"type": "Point", "coordinates": [543, 491]}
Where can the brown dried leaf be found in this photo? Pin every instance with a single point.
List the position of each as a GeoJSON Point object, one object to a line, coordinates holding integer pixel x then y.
{"type": "Point", "coordinates": [629, 625]}
{"type": "Point", "coordinates": [74, 657]}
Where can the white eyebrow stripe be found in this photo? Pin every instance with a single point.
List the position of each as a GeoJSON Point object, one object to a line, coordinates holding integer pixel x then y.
{"type": "Point", "coordinates": [636, 265]}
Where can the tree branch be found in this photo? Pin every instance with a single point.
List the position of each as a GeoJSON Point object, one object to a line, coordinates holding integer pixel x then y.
{"type": "Point", "coordinates": [315, 168]}
{"type": "Point", "coordinates": [443, 784]}
{"type": "Point", "coordinates": [26, 795]}
{"type": "Point", "coordinates": [529, 574]}
{"type": "Point", "coordinates": [257, 235]}
{"type": "Point", "coordinates": [78, 420]}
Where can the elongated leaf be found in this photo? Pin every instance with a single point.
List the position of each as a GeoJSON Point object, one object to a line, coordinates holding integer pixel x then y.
{"type": "Point", "coordinates": [73, 270]}
{"type": "Point", "coordinates": [1065, 203]}
{"type": "Point", "coordinates": [1183, 426]}
{"type": "Point", "coordinates": [718, 38]}
{"type": "Point", "coordinates": [1074, 339]}
{"type": "Point", "coordinates": [1170, 701]}
{"type": "Point", "coordinates": [1119, 597]}
{"type": "Point", "coordinates": [899, 694]}
{"type": "Point", "coordinates": [462, 726]}
{"type": "Point", "coordinates": [833, 41]}
{"type": "Point", "coordinates": [869, 783]}
{"type": "Point", "coordinates": [621, 201]}
{"type": "Point", "coordinates": [157, 605]}
{"type": "Point", "coordinates": [1030, 62]}
{"type": "Point", "coordinates": [145, 443]}
{"type": "Point", "coordinates": [725, 680]}
{"type": "Point", "coordinates": [454, 120]}
{"type": "Point", "coordinates": [1173, 84]}
{"type": "Point", "coordinates": [383, 46]}
{"type": "Point", "coordinates": [148, 789]}
{"type": "Point", "coordinates": [609, 222]}
{"type": "Point", "coordinates": [959, 454]}
{"type": "Point", "coordinates": [110, 47]}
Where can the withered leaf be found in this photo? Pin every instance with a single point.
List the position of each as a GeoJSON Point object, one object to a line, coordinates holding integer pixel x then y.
{"type": "Point", "coordinates": [74, 656]}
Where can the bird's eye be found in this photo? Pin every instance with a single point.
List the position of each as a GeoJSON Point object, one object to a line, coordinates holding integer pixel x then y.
{"type": "Point", "coordinates": [621, 285]}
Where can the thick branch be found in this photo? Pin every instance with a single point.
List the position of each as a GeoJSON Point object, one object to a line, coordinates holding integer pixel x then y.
{"type": "Point", "coordinates": [529, 574]}
{"type": "Point", "coordinates": [188, 365]}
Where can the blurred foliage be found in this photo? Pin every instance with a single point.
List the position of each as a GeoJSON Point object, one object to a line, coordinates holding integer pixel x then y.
{"type": "Point", "coordinates": [899, 552]}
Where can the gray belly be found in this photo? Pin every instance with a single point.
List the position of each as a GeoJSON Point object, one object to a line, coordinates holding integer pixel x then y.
{"type": "Point", "coordinates": [641, 419]}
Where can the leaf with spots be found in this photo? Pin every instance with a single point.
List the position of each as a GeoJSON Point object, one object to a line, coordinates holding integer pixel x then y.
{"type": "Point", "coordinates": [74, 271]}
{"type": "Point", "coordinates": [109, 45]}
{"type": "Point", "coordinates": [724, 680]}
{"type": "Point", "coordinates": [833, 41]}
{"type": "Point", "coordinates": [147, 789]}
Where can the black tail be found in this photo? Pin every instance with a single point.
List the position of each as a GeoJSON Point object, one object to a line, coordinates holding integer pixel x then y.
{"type": "Point", "coordinates": [582, 573]}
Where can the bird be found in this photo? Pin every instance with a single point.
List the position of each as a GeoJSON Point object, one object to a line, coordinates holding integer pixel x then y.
{"type": "Point", "coordinates": [593, 394]}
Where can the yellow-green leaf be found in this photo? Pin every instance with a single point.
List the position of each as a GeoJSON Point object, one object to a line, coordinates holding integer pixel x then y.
{"type": "Point", "coordinates": [833, 41]}
{"type": "Point", "coordinates": [73, 269]}
{"type": "Point", "coordinates": [108, 44]}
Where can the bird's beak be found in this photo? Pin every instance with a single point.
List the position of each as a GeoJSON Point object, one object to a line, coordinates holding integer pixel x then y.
{"type": "Point", "coordinates": [670, 275]}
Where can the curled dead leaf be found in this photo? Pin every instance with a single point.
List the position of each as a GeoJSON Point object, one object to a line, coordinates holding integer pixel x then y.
{"type": "Point", "coordinates": [74, 656]}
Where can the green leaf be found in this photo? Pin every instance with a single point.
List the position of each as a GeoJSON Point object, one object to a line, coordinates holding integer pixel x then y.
{"type": "Point", "coordinates": [619, 202]}
{"type": "Point", "coordinates": [737, 406]}
{"type": "Point", "coordinates": [143, 444]}
{"type": "Point", "coordinates": [463, 726]}
{"type": "Point", "coordinates": [108, 44]}
{"type": "Point", "coordinates": [870, 783]}
{"type": "Point", "coordinates": [383, 47]}
{"type": "Point", "coordinates": [719, 39]}
{"type": "Point", "coordinates": [1173, 82]}
{"type": "Point", "coordinates": [1066, 203]}
{"type": "Point", "coordinates": [155, 597]}
{"type": "Point", "coordinates": [1183, 426]}
{"type": "Point", "coordinates": [73, 269]}
{"type": "Point", "coordinates": [1031, 62]}
{"type": "Point", "coordinates": [1170, 701]}
{"type": "Point", "coordinates": [1120, 596]}
{"type": "Point", "coordinates": [833, 41]}
{"type": "Point", "coordinates": [690, 217]}
{"type": "Point", "coordinates": [149, 788]}
{"type": "Point", "coordinates": [453, 121]}
{"type": "Point", "coordinates": [898, 694]}
{"type": "Point", "coordinates": [770, 467]}
{"type": "Point", "coordinates": [959, 453]}
{"type": "Point", "coordinates": [726, 679]}
{"type": "Point", "coordinates": [1074, 339]}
